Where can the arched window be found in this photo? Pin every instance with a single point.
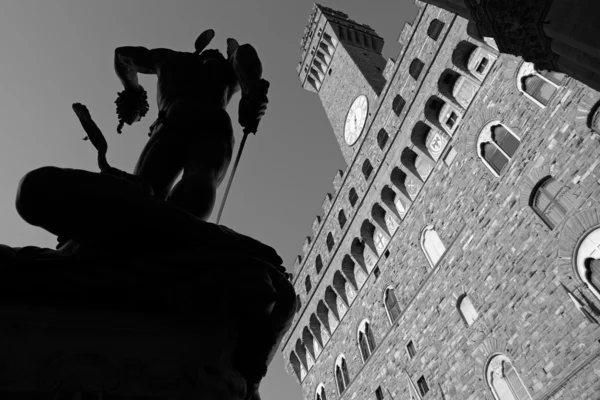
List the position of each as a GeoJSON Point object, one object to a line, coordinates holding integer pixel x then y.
{"type": "Point", "coordinates": [318, 263]}
{"type": "Point", "coordinates": [504, 381]}
{"type": "Point", "coordinates": [466, 309]}
{"type": "Point", "coordinates": [415, 68]}
{"type": "Point", "coordinates": [307, 284]}
{"type": "Point", "coordinates": [435, 29]}
{"type": "Point", "coordinates": [342, 218]}
{"type": "Point", "coordinates": [311, 345]}
{"type": "Point", "coordinates": [398, 105]}
{"type": "Point", "coordinates": [353, 197]}
{"type": "Point", "coordinates": [341, 374]}
{"type": "Point", "coordinates": [367, 168]}
{"type": "Point", "coordinates": [382, 138]}
{"type": "Point", "coordinates": [588, 261]}
{"type": "Point", "coordinates": [366, 341]}
{"type": "Point", "coordinates": [594, 118]}
{"type": "Point", "coordinates": [297, 367]}
{"type": "Point", "coordinates": [319, 332]}
{"type": "Point", "coordinates": [496, 145]}
{"type": "Point", "coordinates": [298, 303]}
{"type": "Point", "coordinates": [392, 307]}
{"type": "Point", "coordinates": [432, 245]}
{"type": "Point", "coordinates": [320, 394]}
{"type": "Point", "coordinates": [551, 201]}
{"type": "Point", "coordinates": [537, 87]}
{"type": "Point", "coordinates": [330, 241]}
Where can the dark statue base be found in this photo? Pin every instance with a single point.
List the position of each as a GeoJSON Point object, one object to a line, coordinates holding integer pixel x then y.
{"type": "Point", "coordinates": [161, 326]}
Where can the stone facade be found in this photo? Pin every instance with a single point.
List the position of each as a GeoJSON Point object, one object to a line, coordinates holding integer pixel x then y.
{"type": "Point", "coordinates": [529, 302]}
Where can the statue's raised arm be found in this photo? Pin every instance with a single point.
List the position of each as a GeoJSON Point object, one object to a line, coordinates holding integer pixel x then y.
{"type": "Point", "coordinates": [132, 103]}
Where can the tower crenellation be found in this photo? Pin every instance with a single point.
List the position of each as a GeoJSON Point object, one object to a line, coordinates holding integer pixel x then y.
{"type": "Point", "coordinates": [464, 228]}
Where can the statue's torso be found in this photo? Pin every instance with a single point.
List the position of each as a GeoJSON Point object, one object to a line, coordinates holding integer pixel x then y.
{"type": "Point", "coordinates": [185, 79]}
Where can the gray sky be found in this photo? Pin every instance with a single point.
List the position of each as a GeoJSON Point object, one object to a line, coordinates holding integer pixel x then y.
{"type": "Point", "coordinates": [56, 52]}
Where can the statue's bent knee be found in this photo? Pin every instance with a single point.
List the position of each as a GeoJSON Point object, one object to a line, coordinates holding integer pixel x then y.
{"type": "Point", "coordinates": [32, 194]}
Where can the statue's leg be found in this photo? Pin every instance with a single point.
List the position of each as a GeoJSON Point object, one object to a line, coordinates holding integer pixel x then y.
{"type": "Point", "coordinates": [162, 159]}
{"type": "Point", "coordinates": [207, 160]}
{"type": "Point", "coordinates": [102, 209]}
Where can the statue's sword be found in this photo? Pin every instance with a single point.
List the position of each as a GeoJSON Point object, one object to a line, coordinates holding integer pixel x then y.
{"type": "Point", "coordinates": [247, 130]}
{"type": "Point", "coordinates": [235, 164]}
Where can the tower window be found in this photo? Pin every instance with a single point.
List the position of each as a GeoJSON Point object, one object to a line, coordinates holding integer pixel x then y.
{"type": "Point", "coordinates": [330, 241]}
{"type": "Point", "coordinates": [382, 138]}
{"type": "Point", "coordinates": [342, 218]}
{"type": "Point", "coordinates": [367, 168]}
{"type": "Point", "coordinates": [415, 68]}
{"type": "Point", "coordinates": [308, 284]}
{"type": "Point", "coordinates": [379, 393]}
{"type": "Point", "coordinates": [423, 388]}
{"type": "Point", "coordinates": [398, 105]}
{"type": "Point", "coordinates": [353, 197]}
{"type": "Point", "coordinates": [410, 349]}
{"type": "Point", "coordinates": [435, 29]}
{"type": "Point", "coordinates": [318, 263]}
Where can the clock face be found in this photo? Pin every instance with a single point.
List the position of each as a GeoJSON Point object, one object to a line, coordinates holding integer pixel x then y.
{"type": "Point", "coordinates": [355, 121]}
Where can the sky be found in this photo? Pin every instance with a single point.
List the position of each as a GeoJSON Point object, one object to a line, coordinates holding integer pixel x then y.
{"type": "Point", "coordinates": [57, 52]}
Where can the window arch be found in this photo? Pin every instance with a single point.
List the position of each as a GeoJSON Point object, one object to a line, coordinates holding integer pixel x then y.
{"type": "Point", "coordinates": [587, 261]}
{"type": "Point", "coordinates": [330, 241]}
{"type": "Point", "coordinates": [535, 86]}
{"type": "Point", "coordinates": [342, 218]}
{"type": "Point", "coordinates": [504, 381]}
{"type": "Point", "coordinates": [466, 309]}
{"type": "Point", "coordinates": [307, 284]}
{"type": "Point", "coordinates": [341, 374]}
{"type": "Point", "coordinates": [551, 201]}
{"type": "Point", "coordinates": [415, 68]}
{"type": "Point", "coordinates": [318, 263]}
{"type": "Point", "coordinates": [297, 367]}
{"type": "Point", "coordinates": [435, 29]}
{"type": "Point", "coordinates": [392, 308]}
{"type": "Point", "coordinates": [496, 146]}
{"type": "Point", "coordinates": [320, 394]}
{"type": "Point", "coordinates": [382, 138]}
{"type": "Point", "coordinates": [432, 245]}
{"type": "Point", "coordinates": [352, 197]}
{"type": "Point", "coordinates": [398, 105]}
{"type": "Point", "coordinates": [367, 168]}
{"type": "Point", "coordinates": [366, 341]}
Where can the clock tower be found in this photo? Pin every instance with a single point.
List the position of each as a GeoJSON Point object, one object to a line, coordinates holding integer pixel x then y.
{"type": "Point", "coordinates": [342, 63]}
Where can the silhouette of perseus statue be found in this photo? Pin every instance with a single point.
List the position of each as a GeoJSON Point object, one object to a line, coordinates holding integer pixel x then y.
{"type": "Point", "coordinates": [117, 221]}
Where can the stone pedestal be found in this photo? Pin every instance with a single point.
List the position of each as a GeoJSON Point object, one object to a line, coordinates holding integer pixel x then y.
{"type": "Point", "coordinates": [164, 326]}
